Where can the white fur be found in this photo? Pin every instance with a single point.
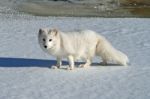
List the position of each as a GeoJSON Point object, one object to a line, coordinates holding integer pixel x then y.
{"type": "Point", "coordinates": [79, 45]}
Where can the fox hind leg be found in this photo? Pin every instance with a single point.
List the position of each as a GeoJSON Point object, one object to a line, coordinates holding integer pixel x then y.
{"type": "Point", "coordinates": [87, 64]}
{"type": "Point", "coordinates": [104, 62]}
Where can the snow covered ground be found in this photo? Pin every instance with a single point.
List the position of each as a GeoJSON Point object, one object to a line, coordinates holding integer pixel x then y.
{"type": "Point", "coordinates": [25, 72]}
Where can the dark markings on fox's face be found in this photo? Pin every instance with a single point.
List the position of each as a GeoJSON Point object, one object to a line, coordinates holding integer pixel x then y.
{"type": "Point", "coordinates": [47, 38]}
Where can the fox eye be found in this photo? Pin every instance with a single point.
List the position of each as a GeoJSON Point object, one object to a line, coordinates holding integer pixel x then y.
{"type": "Point", "coordinates": [43, 39]}
{"type": "Point", "coordinates": [50, 40]}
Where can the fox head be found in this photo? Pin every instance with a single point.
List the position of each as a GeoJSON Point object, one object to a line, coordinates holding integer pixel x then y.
{"type": "Point", "coordinates": [48, 38]}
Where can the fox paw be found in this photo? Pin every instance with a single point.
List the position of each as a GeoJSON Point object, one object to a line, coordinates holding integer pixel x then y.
{"type": "Point", "coordinates": [83, 66]}
{"type": "Point", "coordinates": [54, 67]}
{"type": "Point", "coordinates": [70, 68]}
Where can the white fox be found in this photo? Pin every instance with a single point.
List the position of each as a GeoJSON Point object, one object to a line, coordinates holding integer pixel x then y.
{"type": "Point", "coordinates": [79, 45]}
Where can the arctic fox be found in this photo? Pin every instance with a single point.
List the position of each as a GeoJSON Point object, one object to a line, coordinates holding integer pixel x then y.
{"type": "Point", "coordinates": [79, 45]}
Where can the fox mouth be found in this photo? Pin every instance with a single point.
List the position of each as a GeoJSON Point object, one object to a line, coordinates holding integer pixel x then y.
{"type": "Point", "coordinates": [46, 47]}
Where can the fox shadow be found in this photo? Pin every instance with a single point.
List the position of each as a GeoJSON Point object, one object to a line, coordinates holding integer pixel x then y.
{"type": "Point", "coordinates": [25, 62]}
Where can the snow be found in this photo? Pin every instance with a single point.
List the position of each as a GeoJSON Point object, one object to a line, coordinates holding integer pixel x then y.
{"type": "Point", "coordinates": [25, 72]}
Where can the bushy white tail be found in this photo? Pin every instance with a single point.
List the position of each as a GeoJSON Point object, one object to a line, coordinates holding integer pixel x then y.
{"type": "Point", "coordinates": [109, 53]}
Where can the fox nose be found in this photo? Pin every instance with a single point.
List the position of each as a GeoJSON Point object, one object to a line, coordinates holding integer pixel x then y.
{"type": "Point", "coordinates": [45, 46]}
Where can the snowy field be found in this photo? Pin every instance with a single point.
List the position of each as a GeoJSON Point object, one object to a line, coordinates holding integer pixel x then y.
{"type": "Point", "coordinates": [25, 72]}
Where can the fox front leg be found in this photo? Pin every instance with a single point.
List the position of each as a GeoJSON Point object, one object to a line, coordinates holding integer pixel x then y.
{"type": "Point", "coordinates": [59, 63]}
{"type": "Point", "coordinates": [71, 62]}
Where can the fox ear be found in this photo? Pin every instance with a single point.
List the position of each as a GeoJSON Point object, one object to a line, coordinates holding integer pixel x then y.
{"type": "Point", "coordinates": [40, 31]}
{"type": "Point", "coordinates": [55, 31]}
